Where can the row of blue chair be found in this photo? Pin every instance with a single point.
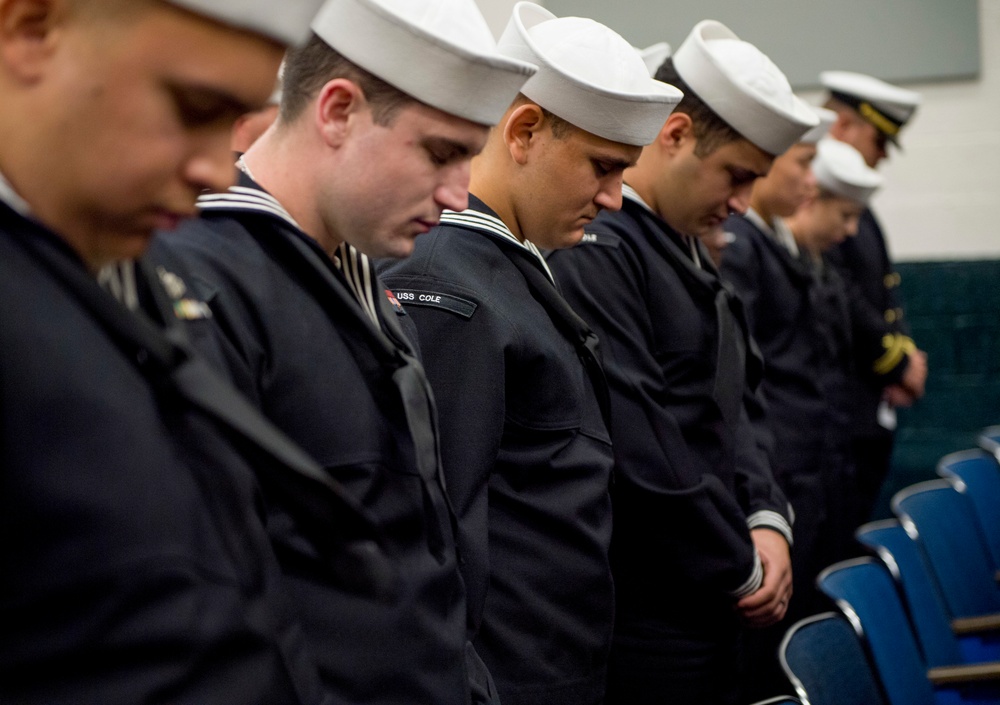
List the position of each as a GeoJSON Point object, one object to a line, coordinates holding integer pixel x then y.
{"type": "Point", "coordinates": [919, 625]}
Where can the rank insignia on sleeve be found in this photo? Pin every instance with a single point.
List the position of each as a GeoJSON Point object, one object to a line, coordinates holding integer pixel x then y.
{"type": "Point", "coordinates": [191, 310]}
{"type": "Point", "coordinates": [396, 306]}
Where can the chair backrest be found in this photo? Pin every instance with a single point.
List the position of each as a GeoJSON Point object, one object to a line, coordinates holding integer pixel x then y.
{"type": "Point", "coordinates": [927, 610]}
{"type": "Point", "coordinates": [941, 520]}
{"type": "Point", "coordinates": [977, 473]}
{"type": "Point", "coordinates": [825, 660]}
{"type": "Point", "coordinates": [864, 590]}
{"type": "Point", "coordinates": [989, 440]}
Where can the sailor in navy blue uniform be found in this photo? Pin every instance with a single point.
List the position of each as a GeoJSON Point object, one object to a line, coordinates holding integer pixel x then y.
{"type": "Point", "coordinates": [681, 367]}
{"type": "Point", "coordinates": [522, 395]}
{"type": "Point", "coordinates": [310, 335]}
{"type": "Point", "coordinates": [135, 566]}
{"type": "Point", "coordinates": [890, 370]}
{"type": "Point", "coordinates": [794, 314]}
{"type": "Point", "coordinates": [845, 185]}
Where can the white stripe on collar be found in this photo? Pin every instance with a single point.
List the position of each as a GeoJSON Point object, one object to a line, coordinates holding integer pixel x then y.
{"type": "Point", "coordinates": [360, 276]}
{"type": "Point", "coordinates": [784, 235]}
{"type": "Point", "coordinates": [9, 196]}
{"type": "Point", "coordinates": [631, 194]}
{"type": "Point", "coordinates": [477, 220]}
{"type": "Point", "coordinates": [355, 266]}
{"type": "Point", "coordinates": [758, 220]}
{"type": "Point", "coordinates": [779, 232]}
{"type": "Point", "coordinates": [241, 198]}
{"type": "Point", "coordinates": [118, 279]}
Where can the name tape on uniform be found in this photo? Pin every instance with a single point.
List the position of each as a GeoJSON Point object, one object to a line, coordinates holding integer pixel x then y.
{"type": "Point", "coordinates": [455, 304]}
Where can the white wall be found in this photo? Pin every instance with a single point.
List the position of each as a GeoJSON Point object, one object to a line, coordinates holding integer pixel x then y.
{"type": "Point", "coordinates": [940, 194]}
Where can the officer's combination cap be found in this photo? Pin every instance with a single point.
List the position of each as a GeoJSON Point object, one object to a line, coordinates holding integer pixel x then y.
{"type": "Point", "coordinates": [286, 22]}
{"type": "Point", "coordinates": [841, 170]}
{"type": "Point", "coordinates": [885, 106]}
{"type": "Point", "coordinates": [588, 75]}
{"type": "Point", "coordinates": [440, 52]}
{"type": "Point", "coordinates": [743, 87]}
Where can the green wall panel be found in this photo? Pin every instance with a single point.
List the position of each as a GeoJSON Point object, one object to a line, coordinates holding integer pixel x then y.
{"type": "Point", "coordinates": [954, 313]}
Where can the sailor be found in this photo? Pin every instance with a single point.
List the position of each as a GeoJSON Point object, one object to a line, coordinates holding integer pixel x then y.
{"type": "Point", "coordinates": [515, 371]}
{"type": "Point", "coordinates": [364, 156]}
{"type": "Point", "coordinates": [890, 370]}
{"type": "Point", "coordinates": [797, 324]}
{"type": "Point", "coordinates": [678, 356]}
{"type": "Point", "coordinates": [136, 565]}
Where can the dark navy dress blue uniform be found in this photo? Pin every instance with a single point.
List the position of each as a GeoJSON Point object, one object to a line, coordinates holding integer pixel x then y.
{"type": "Point", "coordinates": [882, 345]}
{"type": "Point", "coordinates": [526, 453]}
{"type": "Point", "coordinates": [135, 566]}
{"type": "Point", "coordinates": [317, 346]}
{"type": "Point", "coordinates": [691, 475]}
{"type": "Point", "coordinates": [797, 311]}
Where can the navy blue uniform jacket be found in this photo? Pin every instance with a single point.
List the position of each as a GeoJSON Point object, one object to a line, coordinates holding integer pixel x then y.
{"type": "Point", "coordinates": [799, 317]}
{"type": "Point", "coordinates": [297, 341]}
{"type": "Point", "coordinates": [798, 313]}
{"type": "Point", "coordinates": [881, 333]}
{"type": "Point", "coordinates": [135, 566]}
{"type": "Point", "coordinates": [526, 454]}
{"type": "Point", "coordinates": [691, 474]}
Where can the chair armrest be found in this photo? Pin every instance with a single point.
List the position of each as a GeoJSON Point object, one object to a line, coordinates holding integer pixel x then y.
{"type": "Point", "coordinates": [972, 673]}
{"type": "Point", "coordinates": [979, 623]}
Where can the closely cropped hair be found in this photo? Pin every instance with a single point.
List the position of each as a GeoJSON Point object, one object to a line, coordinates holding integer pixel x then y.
{"type": "Point", "coordinates": [309, 68]}
{"type": "Point", "coordinates": [561, 129]}
{"type": "Point", "coordinates": [710, 130]}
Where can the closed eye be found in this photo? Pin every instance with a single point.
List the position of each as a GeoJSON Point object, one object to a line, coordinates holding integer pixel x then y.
{"type": "Point", "coordinates": [201, 107]}
{"type": "Point", "coordinates": [443, 152]}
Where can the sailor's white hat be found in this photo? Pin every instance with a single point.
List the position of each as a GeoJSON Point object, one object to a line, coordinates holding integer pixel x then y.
{"type": "Point", "coordinates": [840, 169]}
{"type": "Point", "coordinates": [286, 22]}
{"type": "Point", "coordinates": [654, 55]}
{"type": "Point", "coordinates": [588, 75]}
{"type": "Point", "coordinates": [440, 52]}
{"type": "Point", "coordinates": [826, 120]}
{"type": "Point", "coordinates": [743, 87]}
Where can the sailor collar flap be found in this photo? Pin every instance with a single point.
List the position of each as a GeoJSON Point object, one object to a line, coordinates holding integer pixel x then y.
{"type": "Point", "coordinates": [480, 217]}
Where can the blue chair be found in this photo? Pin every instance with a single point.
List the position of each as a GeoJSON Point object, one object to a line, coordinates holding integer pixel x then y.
{"type": "Point", "coordinates": [825, 661]}
{"type": "Point", "coordinates": [780, 700]}
{"type": "Point", "coordinates": [977, 474]}
{"type": "Point", "coordinates": [942, 521]}
{"type": "Point", "coordinates": [989, 440]}
{"type": "Point", "coordinates": [935, 631]}
{"type": "Point", "coordinates": [864, 590]}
